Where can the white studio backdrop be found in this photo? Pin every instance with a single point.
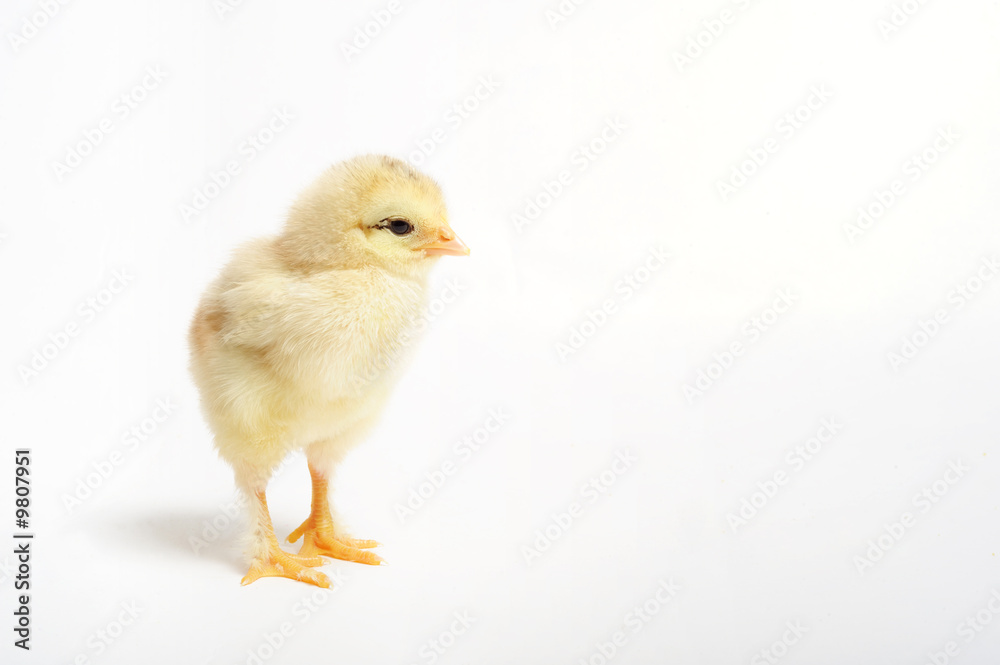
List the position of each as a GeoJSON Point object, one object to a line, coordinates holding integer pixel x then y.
{"type": "Point", "coordinates": [732, 314]}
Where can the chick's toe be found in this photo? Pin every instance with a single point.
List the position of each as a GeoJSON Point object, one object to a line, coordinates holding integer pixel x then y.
{"type": "Point", "coordinates": [319, 543]}
{"type": "Point", "coordinates": [283, 564]}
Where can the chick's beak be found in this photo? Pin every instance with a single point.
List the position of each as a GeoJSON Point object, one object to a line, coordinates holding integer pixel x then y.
{"type": "Point", "coordinates": [447, 243]}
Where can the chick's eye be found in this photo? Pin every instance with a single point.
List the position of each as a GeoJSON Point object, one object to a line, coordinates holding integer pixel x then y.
{"type": "Point", "coordinates": [400, 226]}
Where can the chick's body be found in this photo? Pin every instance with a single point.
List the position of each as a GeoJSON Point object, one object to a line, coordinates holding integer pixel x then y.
{"type": "Point", "coordinates": [298, 343]}
{"type": "Point", "coordinates": [297, 357]}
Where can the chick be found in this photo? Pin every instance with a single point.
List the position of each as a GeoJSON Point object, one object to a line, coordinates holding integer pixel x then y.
{"type": "Point", "coordinates": [297, 344]}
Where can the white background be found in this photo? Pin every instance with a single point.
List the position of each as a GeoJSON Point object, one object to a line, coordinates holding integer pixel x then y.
{"type": "Point", "coordinates": [524, 292]}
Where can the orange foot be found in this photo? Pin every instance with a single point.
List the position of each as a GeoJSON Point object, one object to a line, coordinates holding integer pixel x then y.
{"type": "Point", "coordinates": [278, 563]}
{"type": "Point", "coordinates": [275, 562]}
{"type": "Point", "coordinates": [320, 540]}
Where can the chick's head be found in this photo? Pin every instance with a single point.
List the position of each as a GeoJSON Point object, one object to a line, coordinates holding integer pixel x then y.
{"type": "Point", "coordinates": [370, 211]}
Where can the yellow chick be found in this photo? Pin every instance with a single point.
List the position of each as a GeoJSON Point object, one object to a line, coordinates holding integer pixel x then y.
{"type": "Point", "coordinates": [296, 344]}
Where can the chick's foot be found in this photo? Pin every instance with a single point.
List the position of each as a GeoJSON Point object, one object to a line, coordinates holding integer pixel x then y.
{"type": "Point", "coordinates": [320, 540]}
{"type": "Point", "coordinates": [278, 563]}
{"type": "Point", "coordinates": [320, 537]}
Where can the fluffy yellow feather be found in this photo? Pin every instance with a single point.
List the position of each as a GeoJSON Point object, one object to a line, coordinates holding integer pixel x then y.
{"type": "Point", "coordinates": [297, 344]}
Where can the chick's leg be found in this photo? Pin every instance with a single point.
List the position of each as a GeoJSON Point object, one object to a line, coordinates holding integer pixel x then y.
{"type": "Point", "coordinates": [318, 529]}
{"type": "Point", "coordinates": [269, 560]}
